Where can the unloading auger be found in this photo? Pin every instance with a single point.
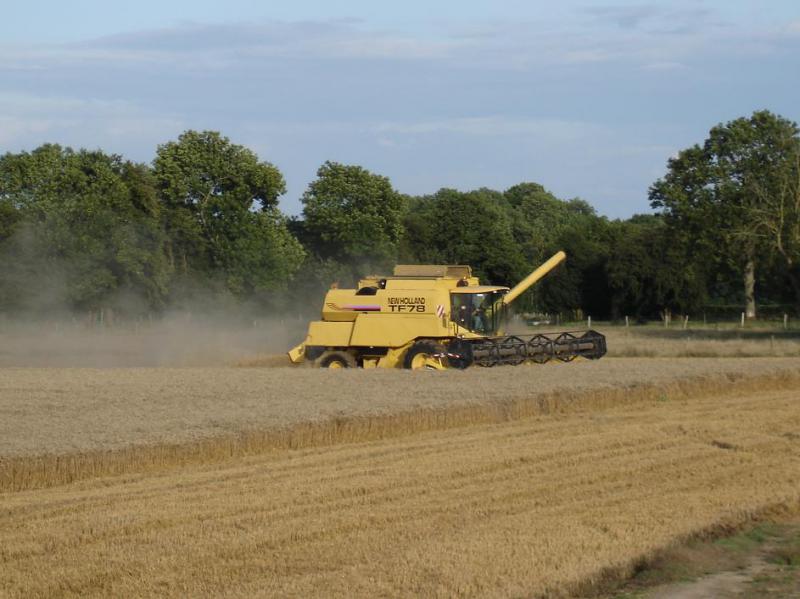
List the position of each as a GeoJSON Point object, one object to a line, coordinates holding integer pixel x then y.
{"type": "Point", "coordinates": [433, 316]}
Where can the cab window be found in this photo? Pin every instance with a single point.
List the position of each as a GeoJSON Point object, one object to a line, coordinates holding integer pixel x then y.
{"type": "Point", "coordinates": [477, 312]}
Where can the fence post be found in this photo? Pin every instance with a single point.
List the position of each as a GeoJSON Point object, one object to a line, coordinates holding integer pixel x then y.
{"type": "Point", "coordinates": [785, 321]}
{"type": "Point", "coordinates": [626, 322]}
{"type": "Point", "coordinates": [590, 322]}
{"type": "Point", "coordinates": [742, 325]}
{"type": "Point", "coordinates": [685, 322]}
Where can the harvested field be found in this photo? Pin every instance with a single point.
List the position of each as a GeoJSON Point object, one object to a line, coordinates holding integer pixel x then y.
{"type": "Point", "coordinates": [60, 425]}
{"type": "Point", "coordinates": [650, 342]}
{"type": "Point", "coordinates": [549, 505]}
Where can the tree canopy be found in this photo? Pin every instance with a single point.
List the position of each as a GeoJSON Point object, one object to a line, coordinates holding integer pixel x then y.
{"type": "Point", "coordinates": [221, 214]}
{"type": "Point", "coordinates": [353, 216]}
{"type": "Point", "coordinates": [82, 230]}
{"type": "Point", "coordinates": [731, 197]}
{"type": "Point", "coordinates": [452, 227]}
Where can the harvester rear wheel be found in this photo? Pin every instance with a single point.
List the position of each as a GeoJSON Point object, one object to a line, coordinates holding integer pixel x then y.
{"type": "Point", "coordinates": [336, 359]}
{"type": "Point", "coordinates": [425, 355]}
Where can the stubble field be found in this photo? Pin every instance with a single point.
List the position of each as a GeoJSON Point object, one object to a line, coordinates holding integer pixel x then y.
{"type": "Point", "coordinates": [520, 481]}
{"type": "Point", "coordinates": [543, 506]}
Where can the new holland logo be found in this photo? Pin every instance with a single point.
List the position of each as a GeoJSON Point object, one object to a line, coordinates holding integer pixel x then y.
{"type": "Point", "coordinates": [406, 304]}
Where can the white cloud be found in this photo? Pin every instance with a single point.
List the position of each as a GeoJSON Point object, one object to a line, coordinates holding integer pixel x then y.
{"type": "Point", "coordinates": [542, 101]}
{"type": "Point", "coordinates": [624, 16]}
{"type": "Point", "coordinates": [494, 126]}
{"type": "Point", "coordinates": [793, 27]}
{"type": "Point", "coordinates": [657, 19]}
{"type": "Point", "coordinates": [514, 46]}
{"type": "Point", "coordinates": [230, 42]}
{"type": "Point", "coordinates": [665, 66]}
{"type": "Point", "coordinates": [13, 129]}
{"type": "Point", "coordinates": [28, 120]}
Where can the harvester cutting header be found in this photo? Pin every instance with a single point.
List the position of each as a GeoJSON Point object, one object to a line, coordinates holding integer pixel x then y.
{"type": "Point", "coordinates": [433, 316]}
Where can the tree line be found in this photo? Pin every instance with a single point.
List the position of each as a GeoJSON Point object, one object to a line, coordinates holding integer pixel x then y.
{"type": "Point", "coordinates": [83, 230]}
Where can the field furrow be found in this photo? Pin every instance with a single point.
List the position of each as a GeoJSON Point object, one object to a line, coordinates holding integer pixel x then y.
{"type": "Point", "coordinates": [544, 505]}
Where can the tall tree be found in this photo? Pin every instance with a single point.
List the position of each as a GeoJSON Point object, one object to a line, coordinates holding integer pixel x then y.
{"type": "Point", "coordinates": [716, 194]}
{"type": "Point", "coordinates": [777, 198]}
{"type": "Point", "coordinates": [539, 218]}
{"type": "Point", "coordinates": [221, 215]}
{"type": "Point", "coordinates": [649, 272]}
{"type": "Point", "coordinates": [474, 228]}
{"type": "Point", "coordinates": [543, 224]}
{"type": "Point", "coordinates": [353, 216]}
{"type": "Point", "coordinates": [582, 283]}
{"type": "Point", "coordinates": [86, 230]}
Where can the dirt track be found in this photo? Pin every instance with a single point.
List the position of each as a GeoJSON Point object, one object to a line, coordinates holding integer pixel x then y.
{"type": "Point", "coordinates": [542, 505]}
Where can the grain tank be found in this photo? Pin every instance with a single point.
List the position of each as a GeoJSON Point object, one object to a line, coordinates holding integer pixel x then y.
{"type": "Point", "coordinates": [433, 316]}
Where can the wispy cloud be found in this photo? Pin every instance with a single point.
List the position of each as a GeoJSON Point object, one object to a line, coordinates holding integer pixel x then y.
{"type": "Point", "coordinates": [664, 66]}
{"type": "Point", "coordinates": [513, 46]}
{"type": "Point", "coordinates": [792, 28]}
{"type": "Point", "coordinates": [656, 18]}
{"type": "Point", "coordinates": [298, 40]}
{"type": "Point", "coordinates": [494, 126]}
{"type": "Point", "coordinates": [484, 103]}
{"type": "Point", "coordinates": [86, 122]}
{"type": "Point", "coordinates": [627, 17]}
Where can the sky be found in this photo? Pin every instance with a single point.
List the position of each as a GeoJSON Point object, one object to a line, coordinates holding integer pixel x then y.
{"type": "Point", "coordinates": [590, 99]}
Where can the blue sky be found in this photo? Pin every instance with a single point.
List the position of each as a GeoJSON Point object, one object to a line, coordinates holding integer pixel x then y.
{"type": "Point", "coordinates": [589, 99]}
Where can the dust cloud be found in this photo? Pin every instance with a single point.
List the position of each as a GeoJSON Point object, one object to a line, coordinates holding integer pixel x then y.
{"type": "Point", "coordinates": [178, 339]}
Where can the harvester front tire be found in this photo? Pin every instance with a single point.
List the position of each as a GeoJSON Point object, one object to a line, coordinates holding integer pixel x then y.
{"type": "Point", "coordinates": [336, 359]}
{"type": "Point", "coordinates": [421, 356]}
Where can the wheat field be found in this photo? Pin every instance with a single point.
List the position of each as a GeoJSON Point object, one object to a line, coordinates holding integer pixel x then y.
{"type": "Point", "coordinates": [59, 425]}
{"type": "Point", "coordinates": [548, 505]}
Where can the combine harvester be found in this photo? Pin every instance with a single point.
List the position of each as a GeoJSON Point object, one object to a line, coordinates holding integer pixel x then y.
{"type": "Point", "coordinates": [436, 317]}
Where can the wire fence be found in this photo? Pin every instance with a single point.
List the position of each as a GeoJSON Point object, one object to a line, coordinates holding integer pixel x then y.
{"type": "Point", "coordinates": [784, 318]}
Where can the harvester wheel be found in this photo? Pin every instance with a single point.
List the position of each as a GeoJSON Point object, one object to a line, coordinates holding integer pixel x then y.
{"type": "Point", "coordinates": [336, 359]}
{"type": "Point", "coordinates": [425, 355]}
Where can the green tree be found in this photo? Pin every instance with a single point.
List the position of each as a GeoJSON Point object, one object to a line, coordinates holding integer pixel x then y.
{"type": "Point", "coordinates": [221, 215]}
{"type": "Point", "coordinates": [353, 216]}
{"type": "Point", "coordinates": [9, 217]}
{"type": "Point", "coordinates": [539, 218]}
{"type": "Point", "coordinates": [581, 284]}
{"type": "Point", "coordinates": [777, 212]}
{"type": "Point", "coordinates": [648, 273]}
{"type": "Point", "coordinates": [86, 231]}
{"type": "Point", "coordinates": [721, 195]}
{"type": "Point", "coordinates": [472, 228]}
{"type": "Point", "coordinates": [542, 224]}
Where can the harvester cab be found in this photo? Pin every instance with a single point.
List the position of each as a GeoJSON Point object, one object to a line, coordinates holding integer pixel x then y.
{"type": "Point", "coordinates": [432, 316]}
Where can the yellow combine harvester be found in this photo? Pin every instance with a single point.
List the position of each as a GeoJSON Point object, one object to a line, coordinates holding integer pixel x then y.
{"type": "Point", "coordinates": [432, 316]}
